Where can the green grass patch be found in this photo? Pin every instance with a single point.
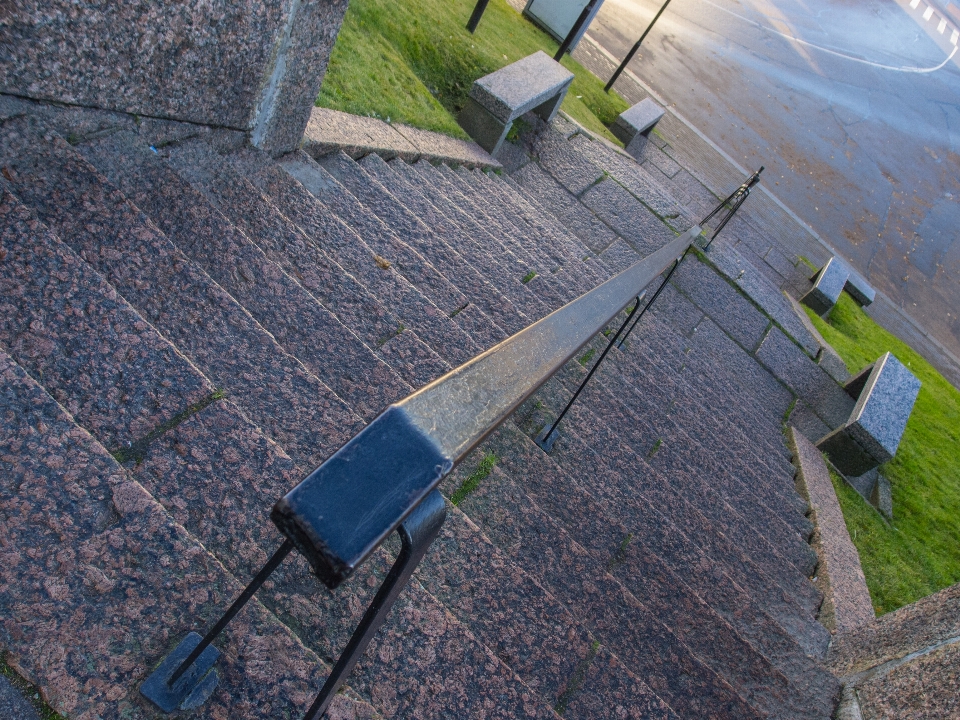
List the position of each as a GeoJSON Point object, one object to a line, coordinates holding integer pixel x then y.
{"type": "Point", "coordinates": [918, 553]}
{"type": "Point", "coordinates": [587, 356]}
{"type": "Point", "coordinates": [484, 467]}
{"type": "Point", "coordinates": [412, 61]}
{"type": "Point", "coordinates": [528, 277]}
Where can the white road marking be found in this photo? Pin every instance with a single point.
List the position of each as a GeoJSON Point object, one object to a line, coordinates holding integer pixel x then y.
{"type": "Point", "coordinates": [928, 13]}
{"type": "Point", "coordinates": [955, 36]}
{"type": "Point", "coordinates": [914, 4]}
{"type": "Point", "coordinates": [881, 66]}
{"type": "Point", "coordinates": [942, 26]}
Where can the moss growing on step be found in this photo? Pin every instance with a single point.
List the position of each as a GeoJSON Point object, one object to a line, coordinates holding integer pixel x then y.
{"type": "Point", "coordinates": [656, 446]}
{"type": "Point", "coordinates": [809, 263]}
{"type": "Point", "coordinates": [577, 679]}
{"type": "Point", "coordinates": [620, 556]}
{"type": "Point", "coordinates": [28, 691]}
{"type": "Point", "coordinates": [528, 277]}
{"type": "Point", "coordinates": [484, 467]}
{"type": "Point", "coordinates": [459, 310]}
{"type": "Point", "coordinates": [137, 451]}
{"type": "Point", "coordinates": [587, 356]}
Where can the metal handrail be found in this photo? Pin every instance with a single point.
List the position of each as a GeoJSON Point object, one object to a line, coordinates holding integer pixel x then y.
{"type": "Point", "coordinates": [385, 478]}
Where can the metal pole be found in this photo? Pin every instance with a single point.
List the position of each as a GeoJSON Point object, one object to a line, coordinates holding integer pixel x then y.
{"type": "Point", "coordinates": [568, 40]}
{"type": "Point", "coordinates": [633, 50]}
{"type": "Point", "coordinates": [248, 592]}
{"type": "Point", "coordinates": [477, 14]}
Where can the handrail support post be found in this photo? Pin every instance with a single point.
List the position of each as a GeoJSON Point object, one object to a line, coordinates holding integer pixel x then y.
{"type": "Point", "coordinates": [417, 533]}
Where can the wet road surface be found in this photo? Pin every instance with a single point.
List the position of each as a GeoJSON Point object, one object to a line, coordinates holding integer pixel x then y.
{"type": "Point", "coordinates": [828, 96]}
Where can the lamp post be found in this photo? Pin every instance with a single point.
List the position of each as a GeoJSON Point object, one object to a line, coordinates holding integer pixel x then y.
{"type": "Point", "coordinates": [633, 50]}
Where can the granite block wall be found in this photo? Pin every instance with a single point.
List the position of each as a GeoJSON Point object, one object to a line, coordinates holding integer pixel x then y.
{"type": "Point", "coordinates": [254, 66]}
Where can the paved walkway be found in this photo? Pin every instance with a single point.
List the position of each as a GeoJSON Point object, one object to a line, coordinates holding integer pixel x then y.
{"type": "Point", "coordinates": [717, 171]}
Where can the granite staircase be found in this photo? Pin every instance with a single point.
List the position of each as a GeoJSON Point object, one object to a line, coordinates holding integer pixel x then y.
{"type": "Point", "coordinates": [189, 327]}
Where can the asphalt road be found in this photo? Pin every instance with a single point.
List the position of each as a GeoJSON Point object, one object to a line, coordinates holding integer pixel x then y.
{"type": "Point", "coordinates": [855, 141]}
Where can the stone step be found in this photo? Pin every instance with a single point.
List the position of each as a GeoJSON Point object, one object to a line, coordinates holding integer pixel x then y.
{"type": "Point", "coordinates": [526, 627]}
{"type": "Point", "coordinates": [99, 583]}
{"type": "Point", "coordinates": [499, 266]}
{"type": "Point", "coordinates": [503, 277]}
{"type": "Point", "coordinates": [300, 324]}
{"type": "Point", "coordinates": [433, 198]}
{"type": "Point", "coordinates": [602, 527]}
{"type": "Point", "coordinates": [220, 476]}
{"type": "Point", "coordinates": [568, 211]}
{"type": "Point", "coordinates": [704, 640]}
{"type": "Point", "coordinates": [725, 533]}
{"type": "Point", "coordinates": [650, 580]}
{"type": "Point", "coordinates": [694, 417]}
{"type": "Point", "coordinates": [286, 244]}
{"type": "Point", "coordinates": [377, 199]}
{"type": "Point", "coordinates": [461, 186]}
{"type": "Point", "coordinates": [533, 540]}
{"type": "Point", "coordinates": [531, 208]}
{"type": "Point", "coordinates": [413, 309]}
{"type": "Point", "coordinates": [682, 460]}
{"type": "Point", "coordinates": [538, 233]}
{"type": "Point", "coordinates": [205, 323]}
{"type": "Point", "coordinates": [387, 244]}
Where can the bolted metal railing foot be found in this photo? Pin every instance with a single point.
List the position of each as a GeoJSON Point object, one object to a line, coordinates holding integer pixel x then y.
{"type": "Point", "coordinates": [186, 677]}
{"type": "Point", "coordinates": [417, 532]}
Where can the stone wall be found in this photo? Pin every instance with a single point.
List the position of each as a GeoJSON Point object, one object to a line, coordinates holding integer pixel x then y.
{"type": "Point", "coordinates": [254, 66]}
{"type": "Point", "coordinates": [904, 665]}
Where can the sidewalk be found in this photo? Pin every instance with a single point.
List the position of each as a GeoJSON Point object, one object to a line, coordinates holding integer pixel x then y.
{"type": "Point", "coordinates": [720, 174]}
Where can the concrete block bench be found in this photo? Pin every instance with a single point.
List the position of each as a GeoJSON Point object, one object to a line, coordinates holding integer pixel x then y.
{"type": "Point", "coordinates": [827, 286]}
{"type": "Point", "coordinates": [535, 83]}
{"type": "Point", "coordinates": [830, 281]}
{"type": "Point", "coordinates": [885, 393]}
{"type": "Point", "coordinates": [634, 125]}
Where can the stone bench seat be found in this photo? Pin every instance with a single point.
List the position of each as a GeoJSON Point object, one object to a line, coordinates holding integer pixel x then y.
{"type": "Point", "coordinates": [832, 279]}
{"type": "Point", "coordinates": [633, 125]}
{"type": "Point", "coordinates": [536, 83]}
{"type": "Point", "coordinates": [885, 393]}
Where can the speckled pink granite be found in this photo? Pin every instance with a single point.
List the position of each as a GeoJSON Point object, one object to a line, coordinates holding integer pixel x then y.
{"type": "Point", "coordinates": [846, 589]}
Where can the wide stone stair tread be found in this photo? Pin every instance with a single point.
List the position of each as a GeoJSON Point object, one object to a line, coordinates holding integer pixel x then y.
{"type": "Point", "coordinates": [558, 201]}
{"type": "Point", "coordinates": [406, 241]}
{"type": "Point", "coordinates": [287, 245]}
{"type": "Point", "coordinates": [386, 243]}
{"type": "Point", "coordinates": [436, 205]}
{"type": "Point", "coordinates": [606, 528]}
{"type": "Point", "coordinates": [683, 494]}
{"type": "Point", "coordinates": [523, 624]}
{"type": "Point", "coordinates": [411, 229]}
{"type": "Point", "coordinates": [502, 274]}
{"type": "Point", "coordinates": [63, 323]}
{"type": "Point", "coordinates": [300, 324]}
{"type": "Point", "coordinates": [464, 187]}
{"type": "Point", "coordinates": [219, 476]}
{"type": "Point", "coordinates": [539, 233]}
{"type": "Point", "coordinates": [205, 323]}
{"type": "Point", "coordinates": [634, 178]}
{"type": "Point", "coordinates": [552, 227]}
{"type": "Point", "coordinates": [413, 309]}
{"type": "Point", "coordinates": [618, 620]}
{"type": "Point", "coordinates": [576, 277]}
{"type": "Point", "coordinates": [502, 269]}
{"type": "Point", "coordinates": [763, 529]}
{"type": "Point", "coordinates": [108, 553]}
{"type": "Point", "coordinates": [707, 415]}
{"type": "Point", "coordinates": [651, 581]}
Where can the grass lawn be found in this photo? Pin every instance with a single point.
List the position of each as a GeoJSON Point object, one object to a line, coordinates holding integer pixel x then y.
{"type": "Point", "coordinates": [919, 553]}
{"type": "Point", "coordinates": [413, 61]}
